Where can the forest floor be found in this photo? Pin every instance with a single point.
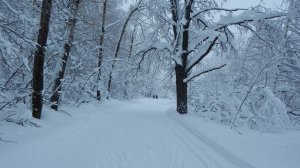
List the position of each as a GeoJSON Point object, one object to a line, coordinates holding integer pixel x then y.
{"type": "Point", "coordinates": [142, 133]}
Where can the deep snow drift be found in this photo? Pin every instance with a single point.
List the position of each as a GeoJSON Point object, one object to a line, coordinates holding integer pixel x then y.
{"type": "Point", "coordinates": [143, 133]}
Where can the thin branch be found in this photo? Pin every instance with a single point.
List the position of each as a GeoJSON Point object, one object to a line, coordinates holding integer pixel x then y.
{"type": "Point", "coordinates": [253, 31]}
{"type": "Point", "coordinates": [1, 139]}
{"type": "Point", "coordinates": [250, 89]}
{"type": "Point", "coordinates": [20, 36]}
{"type": "Point", "coordinates": [152, 47]}
{"type": "Point", "coordinates": [114, 23]}
{"type": "Point", "coordinates": [205, 25]}
{"type": "Point", "coordinates": [203, 55]}
{"type": "Point", "coordinates": [9, 79]}
{"type": "Point", "coordinates": [217, 9]}
{"type": "Point", "coordinates": [295, 114]}
{"type": "Point", "coordinates": [246, 20]}
{"type": "Point", "coordinates": [203, 72]}
{"type": "Point", "coordinates": [144, 54]}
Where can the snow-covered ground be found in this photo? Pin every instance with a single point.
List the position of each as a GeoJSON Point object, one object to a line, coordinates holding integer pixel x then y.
{"type": "Point", "coordinates": [142, 133]}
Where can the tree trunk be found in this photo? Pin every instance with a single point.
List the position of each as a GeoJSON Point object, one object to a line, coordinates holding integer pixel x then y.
{"type": "Point", "coordinates": [181, 73]}
{"type": "Point", "coordinates": [38, 65]}
{"type": "Point", "coordinates": [67, 48]}
{"type": "Point", "coordinates": [181, 89]}
{"type": "Point", "coordinates": [125, 90]}
{"type": "Point", "coordinates": [126, 96]}
{"type": "Point", "coordinates": [101, 50]}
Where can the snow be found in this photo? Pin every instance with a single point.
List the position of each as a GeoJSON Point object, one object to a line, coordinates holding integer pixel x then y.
{"type": "Point", "coordinates": [5, 45]}
{"type": "Point", "coordinates": [25, 61]}
{"type": "Point", "coordinates": [246, 15]}
{"type": "Point", "coordinates": [10, 7]}
{"type": "Point", "coordinates": [19, 13]}
{"type": "Point", "coordinates": [274, 111]}
{"type": "Point", "coordinates": [162, 45]}
{"type": "Point", "coordinates": [261, 149]}
{"type": "Point", "coordinates": [141, 133]}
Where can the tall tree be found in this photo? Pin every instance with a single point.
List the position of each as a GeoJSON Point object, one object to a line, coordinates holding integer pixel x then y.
{"type": "Point", "coordinates": [38, 66]}
{"type": "Point", "coordinates": [125, 94]}
{"type": "Point", "coordinates": [101, 49]}
{"type": "Point", "coordinates": [182, 17]}
{"type": "Point", "coordinates": [196, 35]}
{"type": "Point", "coordinates": [67, 48]}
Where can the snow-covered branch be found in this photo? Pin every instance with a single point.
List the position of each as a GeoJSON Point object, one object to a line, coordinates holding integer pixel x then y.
{"type": "Point", "coordinates": [216, 9]}
{"type": "Point", "coordinates": [204, 53]}
{"type": "Point", "coordinates": [196, 74]}
{"type": "Point", "coordinates": [114, 23]}
{"type": "Point", "coordinates": [155, 46]}
{"type": "Point", "coordinates": [247, 16]}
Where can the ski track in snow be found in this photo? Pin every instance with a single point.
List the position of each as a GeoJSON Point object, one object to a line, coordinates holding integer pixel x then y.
{"type": "Point", "coordinates": [135, 136]}
{"type": "Point", "coordinates": [209, 148]}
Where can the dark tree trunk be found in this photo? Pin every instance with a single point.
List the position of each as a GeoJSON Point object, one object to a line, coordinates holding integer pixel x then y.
{"type": "Point", "coordinates": [58, 81]}
{"type": "Point", "coordinates": [38, 65]}
{"type": "Point", "coordinates": [101, 49]}
{"type": "Point", "coordinates": [181, 73]}
{"type": "Point", "coordinates": [54, 99]}
{"type": "Point", "coordinates": [109, 82]}
{"type": "Point", "coordinates": [125, 90]}
{"type": "Point", "coordinates": [99, 65]}
{"type": "Point", "coordinates": [181, 90]}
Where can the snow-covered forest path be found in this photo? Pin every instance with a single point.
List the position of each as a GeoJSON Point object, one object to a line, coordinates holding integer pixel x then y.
{"type": "Point", "coordinates": [136, 134]}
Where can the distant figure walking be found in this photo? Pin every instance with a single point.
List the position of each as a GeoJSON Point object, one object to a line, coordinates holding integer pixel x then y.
{"type": "Point", "coordinates": [155, 97]}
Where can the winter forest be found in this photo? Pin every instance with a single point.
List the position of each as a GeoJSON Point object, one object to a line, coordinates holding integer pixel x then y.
{"type": "Point", "coordinates": [158, 83]}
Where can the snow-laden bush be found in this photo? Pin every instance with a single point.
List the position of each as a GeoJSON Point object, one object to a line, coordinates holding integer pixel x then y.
{"type": "Point", "coordinates": [20, 115]}
{"type": "Point", "coordinates": [262, 110]}
{"type": "Point", "coordinates": [219, 107]}
{"type": "Point", "coordinates": [267, 112]}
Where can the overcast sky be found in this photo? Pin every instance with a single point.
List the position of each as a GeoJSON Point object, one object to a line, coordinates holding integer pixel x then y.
{"type": "Point", "coordinates": [238, 3]}
{"type": "Point", "coordinates": [249, 3]}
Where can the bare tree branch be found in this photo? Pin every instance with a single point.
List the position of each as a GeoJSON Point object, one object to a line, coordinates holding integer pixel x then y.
{"type": "Point", "coordinates": [203, 72]}
{"type": "Point", "coordinates": [247, 20]}
{"type": "Point", "coordinates": [217, 9]}
{"type": "Point", "coordinates": [203, 55]}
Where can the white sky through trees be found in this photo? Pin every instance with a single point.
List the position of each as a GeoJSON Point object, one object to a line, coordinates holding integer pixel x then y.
{"type": "Point", "coordinates": [235, 3]}
{"type": "Point", "coordinates": [249, 3]}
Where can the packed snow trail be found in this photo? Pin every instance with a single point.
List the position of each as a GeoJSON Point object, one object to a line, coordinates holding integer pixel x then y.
{"type": "Point", "coordinates": [136, 134]}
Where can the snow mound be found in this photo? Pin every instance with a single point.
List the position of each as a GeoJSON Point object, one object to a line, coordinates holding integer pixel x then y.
{"type": "Point", "coordinates": [262, 110]}
{"type": "Point", "coordinates": [271, 114]}
{"type": "Point", "coordinates": [20, 115]}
